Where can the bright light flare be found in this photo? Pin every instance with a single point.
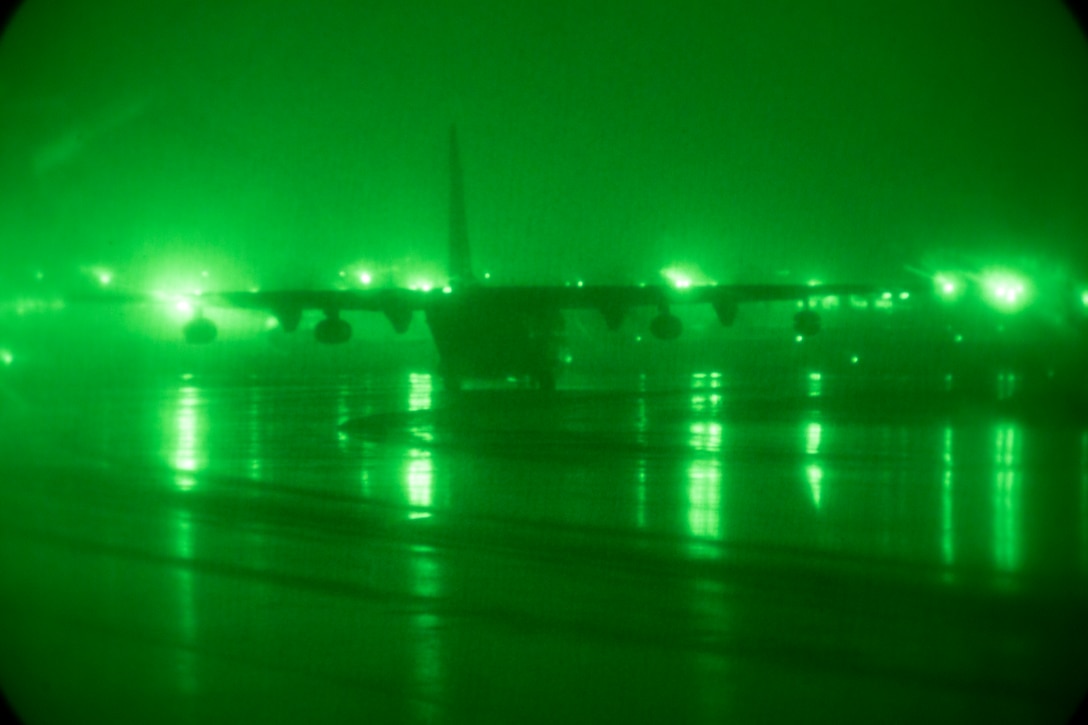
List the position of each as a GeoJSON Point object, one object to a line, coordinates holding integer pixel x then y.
{"type": "Point", "coordinates": [6, 357]}
{"type": "Point", "coordinates": [681, 278]}
{"type": "Point", "coordinates": [365, 278]}
{"type": "Point", "coordinates": [1005, 290]}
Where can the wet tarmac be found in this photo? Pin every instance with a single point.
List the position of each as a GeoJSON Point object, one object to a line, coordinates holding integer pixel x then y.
{"type": "Point", "coordinates": [695, 547]}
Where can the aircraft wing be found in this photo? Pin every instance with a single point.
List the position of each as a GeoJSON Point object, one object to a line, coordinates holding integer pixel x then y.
{"type": "Point", "coordinates": [559, 297]}
{"type": "Point", "coordinates": [613, 301]}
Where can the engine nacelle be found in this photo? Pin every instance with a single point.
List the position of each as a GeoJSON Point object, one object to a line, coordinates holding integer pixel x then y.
{"type": "Point", "coordinates": [726, 310]}
{"type": "Point", "coordinates": [400, 317]}
{"type": "Point", "coordinates": [199, 331]}
{"type": "Point", "coordinates": [289, 318]}
{"type": "Point", "coordinates": [806, 323]}
{"type": "Point", "coordinates": [613, 316]}
{"type": "Point", "coordinates": [332, 331]}
{"type": "Point", "coordinates": [666, 326]}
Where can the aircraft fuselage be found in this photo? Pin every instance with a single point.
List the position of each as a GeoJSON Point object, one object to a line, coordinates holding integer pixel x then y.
{"type": "Point", "coordinates": [479, 334]}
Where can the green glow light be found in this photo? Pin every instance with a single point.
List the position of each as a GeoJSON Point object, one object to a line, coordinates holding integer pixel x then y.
{"type": "Point", "coordinates": [1006, 498]}
{"type": "Point", "coordinates": [948, 285]}
{"type": "Point", "coordinates": [812, 438]}
{"type": "Point", "coordinates": [188, 448]}
{"type": "Point", "coordinates": [705, 481]}
{"type": "Point", "coordinates": [365, 278]}
{"type": "Point", "coordinates": [6, 357]}
{"type": "Point", "coordinates": [1006, 291]}
{"type": "Point", "coordinates": [681, 277]}
{"type": "Point", "coordinates": [948, 548]}
{"type": "Point", "coordinates": [420, 387]}
{"type": "Point", "coordinates": [814, 472]}
{"type": "Point", "coordinates": [419, 480]}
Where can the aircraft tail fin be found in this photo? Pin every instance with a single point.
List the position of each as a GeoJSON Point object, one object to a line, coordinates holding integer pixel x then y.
{"type": "Point", "coordinates": [460, 257]}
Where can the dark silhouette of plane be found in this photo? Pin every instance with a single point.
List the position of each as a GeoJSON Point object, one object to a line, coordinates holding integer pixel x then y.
{"type": "Point", "coordinates": [492, 331]}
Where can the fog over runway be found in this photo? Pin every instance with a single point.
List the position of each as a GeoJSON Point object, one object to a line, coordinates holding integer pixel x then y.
{"type": "Point", "coordinates": [703, 546]}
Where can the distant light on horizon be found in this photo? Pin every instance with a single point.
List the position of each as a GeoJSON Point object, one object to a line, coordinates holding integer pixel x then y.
{"type": "Point", "coordinates": [1007, 291]}
{"type": "Point", "coordinates": [681, 277]}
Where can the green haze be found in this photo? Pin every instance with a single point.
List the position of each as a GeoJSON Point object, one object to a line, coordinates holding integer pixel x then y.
{"type": "Point", "coordinates": [278, 142]}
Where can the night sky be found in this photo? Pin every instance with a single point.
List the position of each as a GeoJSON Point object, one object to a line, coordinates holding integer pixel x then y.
{"type": "Point", "coordinates": [276, 143]}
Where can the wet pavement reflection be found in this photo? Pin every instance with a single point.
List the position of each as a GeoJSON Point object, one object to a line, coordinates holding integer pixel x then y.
{"type": "Point", "coordinates": [685, 547]}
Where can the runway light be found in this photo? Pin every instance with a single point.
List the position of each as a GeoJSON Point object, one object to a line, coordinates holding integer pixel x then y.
{"type": "Point", "coordinates": [904, 295]}
{"type": "Point", "coordinates": [105, 278]}
{"type": "Point", "coordinates": [365, 278]}
{"type": "Point", "coordinates": [183, 306]}
{"type": "Point", "coordinates": [447, 289]}
{"type": "Point", "coordinates": [1005, 290]}
{"type": "Point", "coordinates": [683, 277]}
{"type": "Point", "coordinates": [6, 357]}
{"type": "Point", "coordinates": [886, 296]}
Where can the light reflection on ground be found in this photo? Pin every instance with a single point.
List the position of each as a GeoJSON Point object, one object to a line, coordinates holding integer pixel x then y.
{"type": "Point", "coordinates": [679, 546]}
